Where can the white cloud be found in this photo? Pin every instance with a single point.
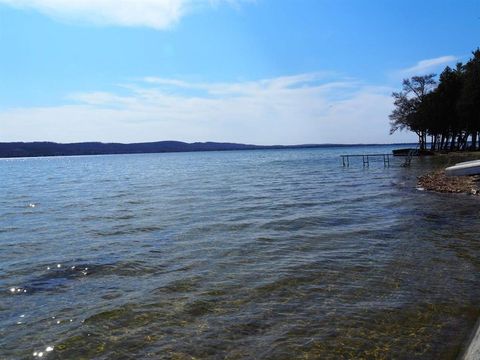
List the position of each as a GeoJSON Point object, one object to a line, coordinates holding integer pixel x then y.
{"type": "Point", "coordinates": [304, 108]}
{"type": "Point", "coordinates": [157, 14]}
{"type": "Point", "coordinates": [426, 66]}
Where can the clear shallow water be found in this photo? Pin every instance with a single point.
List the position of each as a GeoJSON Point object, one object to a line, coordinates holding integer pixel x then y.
{"type": "Point", "coordinates": [252, 254]}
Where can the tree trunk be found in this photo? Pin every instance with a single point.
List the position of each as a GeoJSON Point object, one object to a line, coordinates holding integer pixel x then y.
{"type": "Point", "coordinates": [420, 140]}
{"type": "Point", "coordinates": [452, 142]}
{"type": "Point", "coordinates": [474, 141]}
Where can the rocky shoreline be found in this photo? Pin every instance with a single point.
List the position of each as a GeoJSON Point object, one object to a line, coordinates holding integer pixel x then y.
{"type": "Point", "coordinates": [438, 181]}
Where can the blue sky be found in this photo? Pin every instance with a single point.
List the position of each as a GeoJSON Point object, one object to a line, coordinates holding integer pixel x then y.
{"type": "Point", "coordinates": [251, 71]}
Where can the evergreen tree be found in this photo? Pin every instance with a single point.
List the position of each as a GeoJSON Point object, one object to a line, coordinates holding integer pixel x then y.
{"type": "Point", "coordinates": [469, 101]}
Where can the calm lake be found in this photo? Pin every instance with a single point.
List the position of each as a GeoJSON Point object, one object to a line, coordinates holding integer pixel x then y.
{"type": "Point", "coordinates": [272, 254]}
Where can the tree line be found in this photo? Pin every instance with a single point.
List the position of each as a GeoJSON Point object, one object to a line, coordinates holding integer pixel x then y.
{"type": "Point", "coordinates": [444, 112]}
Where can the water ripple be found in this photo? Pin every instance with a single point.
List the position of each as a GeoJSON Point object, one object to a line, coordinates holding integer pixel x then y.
{"type": "Point", "coordinates": [263, 254]}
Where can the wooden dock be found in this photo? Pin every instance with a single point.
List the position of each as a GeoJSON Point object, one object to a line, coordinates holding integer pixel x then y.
{"type": "Point", "coordinates": [366, 159]}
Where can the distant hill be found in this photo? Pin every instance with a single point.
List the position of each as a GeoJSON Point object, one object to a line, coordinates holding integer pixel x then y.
{"type": "Point", "coordinates": [31, 149]}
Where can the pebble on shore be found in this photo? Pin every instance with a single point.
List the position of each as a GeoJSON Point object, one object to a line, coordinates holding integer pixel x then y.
{"type": "Point", "coordinates": [438, 181]}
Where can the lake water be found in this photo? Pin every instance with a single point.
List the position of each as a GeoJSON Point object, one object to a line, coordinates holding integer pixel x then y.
{"type": "Point", "coordinates": [277, 254]}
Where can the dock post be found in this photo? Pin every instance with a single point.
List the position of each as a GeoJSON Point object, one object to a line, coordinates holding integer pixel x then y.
{"type": "Point", "coordinates": [386, 160]}
{"type": "Point", "coordinates": [365, 160]}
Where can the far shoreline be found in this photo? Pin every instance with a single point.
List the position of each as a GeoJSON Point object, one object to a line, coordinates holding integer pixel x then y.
{"type": "Point", "coordinates": [12, 150]}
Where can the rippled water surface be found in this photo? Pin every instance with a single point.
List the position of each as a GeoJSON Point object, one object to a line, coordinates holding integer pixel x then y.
{"type": "Point", "coordinates": [278, 254]}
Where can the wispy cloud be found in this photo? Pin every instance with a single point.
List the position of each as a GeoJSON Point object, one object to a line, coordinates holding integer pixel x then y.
{"type": "Point", "coordinates": [157, 14]}
{"type": "Point", "coordinates": [304, 108]}
{"type": "Point", "coordinates": [253, 87]}
{"type": "Point", "coordinates": [428, 65]}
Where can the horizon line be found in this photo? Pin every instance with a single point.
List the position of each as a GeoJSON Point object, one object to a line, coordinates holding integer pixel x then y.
{"type": "Point", "coordinates": [197, 142]}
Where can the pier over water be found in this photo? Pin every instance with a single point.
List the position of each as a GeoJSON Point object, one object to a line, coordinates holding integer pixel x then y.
{"type": "Point", "coordinates": [366, 159]}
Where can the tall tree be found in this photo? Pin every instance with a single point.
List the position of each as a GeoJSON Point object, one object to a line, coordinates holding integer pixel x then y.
{"type": "Point", "coordinates": [469, 101]}
{"type": "Point", "coordinates": [407, 114]}
{"type": "Point", "coordinates": [447, 94]}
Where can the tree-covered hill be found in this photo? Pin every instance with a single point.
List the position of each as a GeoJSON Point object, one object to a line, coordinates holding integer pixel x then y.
{"type": "Point", "coordinates": [30, 149]}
